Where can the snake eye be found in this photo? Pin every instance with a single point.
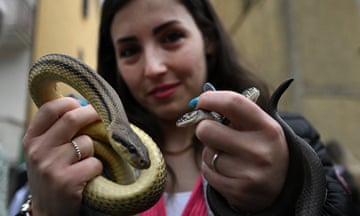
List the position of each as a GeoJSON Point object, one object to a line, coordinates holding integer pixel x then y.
{"type": "Point", "coordinates": [131, 149]}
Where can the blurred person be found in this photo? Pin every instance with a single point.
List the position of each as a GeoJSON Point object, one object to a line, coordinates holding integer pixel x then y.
{"type": "Point", "coordinates": [20, 191]}
{"type": "Point", "coordinates": [338, 155]}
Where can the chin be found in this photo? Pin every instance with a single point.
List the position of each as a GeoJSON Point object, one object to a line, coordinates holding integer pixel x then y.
{"type": "Point", "coordinates": [170, 114]}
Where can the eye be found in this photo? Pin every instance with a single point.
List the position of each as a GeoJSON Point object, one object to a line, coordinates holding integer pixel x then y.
{"type": "Point", "coordinates": [131, 149]}
{"type": "Point", "coordinates": [128, 51]}
{"type": "Point", "coordinates": [172, 37]}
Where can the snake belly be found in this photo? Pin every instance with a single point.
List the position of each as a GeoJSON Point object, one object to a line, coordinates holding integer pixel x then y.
{"type": "Point", "coordinates": [121, 146]}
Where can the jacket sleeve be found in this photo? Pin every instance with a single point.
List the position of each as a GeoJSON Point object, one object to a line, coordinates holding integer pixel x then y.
{"type": "Point", "coordinates": [337, 198]}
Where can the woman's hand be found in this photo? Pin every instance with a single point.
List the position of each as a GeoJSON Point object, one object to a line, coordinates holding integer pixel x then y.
{"type": "Point", "coordinates": [56, 177]}
{"type": "Point", "coordinates": [253, 156]}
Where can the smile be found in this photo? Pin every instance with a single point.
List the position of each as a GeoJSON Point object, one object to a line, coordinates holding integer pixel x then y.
{"type": "Point", "coordinates": [164, 91]}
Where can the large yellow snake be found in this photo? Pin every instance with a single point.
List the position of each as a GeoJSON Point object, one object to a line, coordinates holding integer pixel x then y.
{"type": "Point", "coordinates": [116, 142]}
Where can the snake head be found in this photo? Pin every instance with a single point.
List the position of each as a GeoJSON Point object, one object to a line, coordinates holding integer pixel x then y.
{"type": "Point", "coordinates": [129, 145]}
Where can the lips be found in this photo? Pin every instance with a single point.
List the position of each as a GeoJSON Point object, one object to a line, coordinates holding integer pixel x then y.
{"type": "Point", "coordinates": [164, 91]}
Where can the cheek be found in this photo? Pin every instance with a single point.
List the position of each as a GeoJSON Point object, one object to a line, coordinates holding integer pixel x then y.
{"type": "Point", "coordinates": [194, 65]}
{"type": "Point", "coordinates": [131, 78]}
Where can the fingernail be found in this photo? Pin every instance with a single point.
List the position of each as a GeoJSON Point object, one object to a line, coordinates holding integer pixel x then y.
{"type": "Point", "coordinates": [193, 102]}
{"type": "Point", "coordinates": [82, 102]}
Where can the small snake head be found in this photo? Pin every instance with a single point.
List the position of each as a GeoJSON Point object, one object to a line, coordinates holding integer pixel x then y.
{"type": "Point", "coordinates": [131, 147]}
{"type": "Point", "coordinates": [252, 93]}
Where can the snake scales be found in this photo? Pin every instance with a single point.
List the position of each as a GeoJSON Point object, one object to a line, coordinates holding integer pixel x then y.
{"type": "Point", "coordinates": [121, 146]}
{"type": "Point", "coordinates": [134, 194]}
{"type": "Point", "coordinates": [302, 156]}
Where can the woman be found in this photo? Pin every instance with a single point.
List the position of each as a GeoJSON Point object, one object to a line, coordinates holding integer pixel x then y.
{"type": "Point", "coordinates": [158, 54]}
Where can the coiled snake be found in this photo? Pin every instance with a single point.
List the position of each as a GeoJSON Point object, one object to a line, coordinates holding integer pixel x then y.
{"type": "Point", "coordinates": [116, 142]}
{"type": "Point", "coordinates": [309, 170]}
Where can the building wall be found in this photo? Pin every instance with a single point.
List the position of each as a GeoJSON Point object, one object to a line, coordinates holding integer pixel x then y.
{"type": "Point", "coordinates": [57, 27]}
{"type": "Point", "coordinates": [15, 52]}
{"type": "Point", "coordinates": [61, 26]}
{"type": "Point", "coordinates": [64, 27]}
{"type": "Point", "coordinates": [317, 44]}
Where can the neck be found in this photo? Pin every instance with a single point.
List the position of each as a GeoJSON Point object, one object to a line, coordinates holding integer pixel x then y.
{"type": "Point", "coordinates": [179, 151]}
{"type": "Point", "coordinates": [177, 140]}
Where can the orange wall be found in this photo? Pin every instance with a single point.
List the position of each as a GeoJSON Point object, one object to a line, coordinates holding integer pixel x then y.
{"type": "Point", "coordinates": [60, 27]}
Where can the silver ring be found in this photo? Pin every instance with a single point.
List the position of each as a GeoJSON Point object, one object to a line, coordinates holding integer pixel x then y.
{"type": "Point", "coordinates": [213, 161]}
{"type": "Point", "coordinates": [77, 149]}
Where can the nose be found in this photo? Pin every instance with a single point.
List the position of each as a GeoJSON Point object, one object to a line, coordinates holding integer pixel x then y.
{"type": "Point", "coordinates": [145, 164]}
{"type": "Point", "coordinates": [154, 62]}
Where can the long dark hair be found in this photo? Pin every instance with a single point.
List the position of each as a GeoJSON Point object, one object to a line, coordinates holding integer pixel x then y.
{"type": "Point", "coordinates": [224, 69]}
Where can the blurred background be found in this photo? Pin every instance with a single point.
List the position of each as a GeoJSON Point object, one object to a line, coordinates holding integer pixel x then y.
{"type": "Point", "coordinates": [316, 42]}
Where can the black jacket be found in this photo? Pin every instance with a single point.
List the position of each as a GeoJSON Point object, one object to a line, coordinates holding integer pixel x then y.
{"type": "Point", "coordinates": [337, 198]}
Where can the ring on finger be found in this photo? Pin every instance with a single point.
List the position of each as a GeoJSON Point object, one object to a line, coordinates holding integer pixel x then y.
{"type": "Point", "coordinates": [77, 150]}
{"type": "Point", "coordinates": [213, 161]}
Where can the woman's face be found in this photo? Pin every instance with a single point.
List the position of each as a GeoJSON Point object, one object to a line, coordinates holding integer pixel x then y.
{"type": "Point", "coordinates": [160, 54]}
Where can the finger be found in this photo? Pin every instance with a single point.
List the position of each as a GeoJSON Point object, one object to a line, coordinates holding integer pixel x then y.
{"type": "Point", "coordinates": [86, 169]}
{"type": "Point", "coordinates": [49, 113]}
{"type": "Point", "coordinates": [80, 148]}
{"type": "Point", "coordinates": [70, 123]}
{"type": "Point", "coordinates": [232, 189]}
{"type": "Point", "coordinates": [247, 190]}
{"type": "Point", "coordinates": [222, 138]}
{"type": "Point", "coordinates": [224, 164]}
{"type": "Point", "coordinates": [61, 156]}
{"type": "Point", "coordinates": [215, 178]}
{"type": "Point", "coordinates": [210, 158]}
{"type": "Point", "coordinates": [241, 111]}
{"type": "Point", "coordinates": [208, 155]}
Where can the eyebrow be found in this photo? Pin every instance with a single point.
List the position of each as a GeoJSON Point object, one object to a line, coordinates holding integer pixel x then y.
{"type": "Point", "coordinates": [155, 31]}
{"type": "Point", "coordinates": [125, 39]}
{"type": "Point", "coordinates": [164, 26]}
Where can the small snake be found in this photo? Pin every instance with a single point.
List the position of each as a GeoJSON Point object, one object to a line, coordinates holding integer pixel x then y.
{"type": "Point", "coordinates": [302, 156]}
{"type": "Point", "coordinates": [195, 116]}
{"type": "Point", "coordinates": [121, 146]}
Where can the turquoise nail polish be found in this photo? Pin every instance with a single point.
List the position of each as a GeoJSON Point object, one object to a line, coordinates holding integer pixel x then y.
{"type": "Point", "coordinates": [193, 102]}
{"type": "Point", "coordinates": [82, 102]}
{"type": "Point", "coordinates": [206, 87]}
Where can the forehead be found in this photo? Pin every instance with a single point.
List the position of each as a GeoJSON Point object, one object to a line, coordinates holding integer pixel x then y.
{"type": "Point", "coordinates": [139, 14]}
